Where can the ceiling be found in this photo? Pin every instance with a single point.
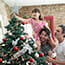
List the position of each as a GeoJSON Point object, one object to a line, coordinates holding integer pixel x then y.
{"type": "Point", "coordinates": [15, 5]}
{"type": "Point", "coordinates": [32, 2]}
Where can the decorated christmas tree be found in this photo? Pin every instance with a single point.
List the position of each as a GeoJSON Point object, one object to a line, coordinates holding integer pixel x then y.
{"type": "Point", "coordinates": [18, 48]}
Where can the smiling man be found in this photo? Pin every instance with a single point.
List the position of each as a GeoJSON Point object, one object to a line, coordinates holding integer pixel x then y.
{"type": "Point", "coordinates": [44, 36]}
{"type": "Point", "coordinates": [60, 47]}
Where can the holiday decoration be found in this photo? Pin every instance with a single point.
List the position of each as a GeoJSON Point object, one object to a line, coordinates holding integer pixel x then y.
{"type": "Point", "coordinates": [15, 48]}
{"type": "Point", "coordinates": [22, 38]}
{"type": "Point", "coordinates": [31, 59]}
{"type": "Point", "coordinates": [0, 59]}
{"type": "Point", "coordinates": [18, 48]}
{"type": "Point", "coordinates": [23, 23]}
{"type": "Point", "coordinates": [4, 39]}
{"type": "Point", "coordinates": [41, 54]}
{"type": "Point", "coordinates": [36, 55]}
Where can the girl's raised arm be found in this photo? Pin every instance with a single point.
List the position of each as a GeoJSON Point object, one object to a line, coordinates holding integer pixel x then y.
{"type": "Point", "coordinates": [21, 18]}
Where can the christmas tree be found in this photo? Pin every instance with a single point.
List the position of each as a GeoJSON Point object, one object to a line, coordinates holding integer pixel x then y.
{"type": "Point", "coordinates": [18, 48]}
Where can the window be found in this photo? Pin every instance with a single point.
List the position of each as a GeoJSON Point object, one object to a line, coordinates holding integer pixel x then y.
{"type": "Point", "coordinates": [1, 29]}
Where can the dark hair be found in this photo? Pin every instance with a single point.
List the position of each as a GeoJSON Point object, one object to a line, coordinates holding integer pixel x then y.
{"type": "Point", "coordinates": [63, 27]}
{"type": "Point", "coordinates": [37, 10]}
{"type": "Point", "coordinates": [46, 30]}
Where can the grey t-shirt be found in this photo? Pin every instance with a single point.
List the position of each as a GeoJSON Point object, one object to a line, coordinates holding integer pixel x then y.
{"type": "Point", "coordinates": [45, 48]}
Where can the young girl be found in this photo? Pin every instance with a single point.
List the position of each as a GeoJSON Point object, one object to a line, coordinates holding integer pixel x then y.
{"type": "Point", "coordinates": [37, 23]}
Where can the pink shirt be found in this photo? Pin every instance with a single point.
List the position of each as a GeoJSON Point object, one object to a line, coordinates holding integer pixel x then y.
{"type": "Point", "coordinates": [37, 26]}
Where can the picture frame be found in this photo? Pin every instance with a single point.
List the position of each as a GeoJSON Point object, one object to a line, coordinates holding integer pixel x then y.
{"type": "Point", "coordinates": [50, 21]}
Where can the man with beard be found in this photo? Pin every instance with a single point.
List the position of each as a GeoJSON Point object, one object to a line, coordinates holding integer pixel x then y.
{"type": "Point", "coordinates": [60, 47]}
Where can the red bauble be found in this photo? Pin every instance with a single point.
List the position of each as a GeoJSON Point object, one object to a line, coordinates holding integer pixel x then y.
{"type": "Point", "coordinates": [41, 54]}
{"type": "Point", "coordinates": [22, 38]}
{"type": "Point", "coordinates": [24, 23]}
{"type": "Point", "coordinates": [4, 39]}
{"type": "Point", "coordinates": [15, 48]}
{"type": "Point", "coordinates": [0, 59]}
{"type": "Point", "coordinates": [31, 59]}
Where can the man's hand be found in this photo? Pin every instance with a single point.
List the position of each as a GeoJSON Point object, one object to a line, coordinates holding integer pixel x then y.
{"type": "Point", "coordinates": [50, 59]}
{"type": "Point", "coordinates": [52, 42]}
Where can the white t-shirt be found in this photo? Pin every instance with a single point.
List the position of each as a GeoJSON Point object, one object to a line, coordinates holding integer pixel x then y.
{"type": "Point", "coordinates": [60, 51]}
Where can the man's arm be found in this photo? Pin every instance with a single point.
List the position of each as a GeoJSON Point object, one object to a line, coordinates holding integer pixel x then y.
{"type": "Point", "coordinates": [52, 42]}
{"type": "Point", "coordinates": [55, 61]}
{"type": "Point", "coordinates": [59, 62]}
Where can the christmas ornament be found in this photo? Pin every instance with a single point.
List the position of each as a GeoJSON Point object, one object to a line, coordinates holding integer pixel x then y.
{"type": "Point", "coordinates": [1, 60]}
{"type": "Point", "coordinates": [27, 63]}
{"type": "Point", "coordinates": [15, 9]}
{"type": "Point", "coordinates": [22, 29]}
{"type": "Point", "coordinates": [8, 62]}
{"type": "Point", "coordinates": [21, 38]}
{"type": "Point", "coordinates": [15, 42]}
{"type": "Point", "coordinates": [29, 39]}
{"type": "Point", "coordinates": [15, 48]}
{"type": "Point", "coordinates": [31, 63]}
{"type": "Point", "coordinates": [4, 39]}
{"type": "Point", "coordinates": [31, 59]}
{"type": "Point", "coordinates": [23, 59]}
{"type": "Point", "coordinates": [5, 61]}
{"type": "Point", "coordinates": [36, 55]}
{"type": "Point", "coordinates": [23, 51]}
{"type": "Point", "coordinates": [24, 23]}
{"type": "Point", "coordinates": [41, 54]}
{"type": "Point", "coordinates": [10, 33]}
{"type": "Point", "coordinates": [3, 44]}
